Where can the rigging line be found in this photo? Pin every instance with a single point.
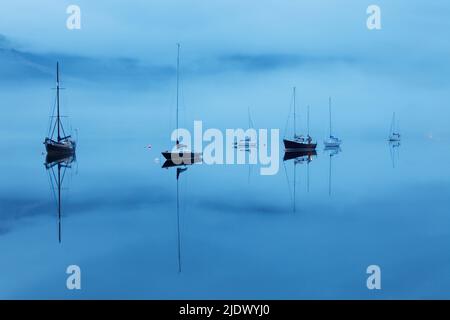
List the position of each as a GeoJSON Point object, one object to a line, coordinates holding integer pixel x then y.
{"type": "Point", "coordinates": [53, 131]}
{"type": "Point", "coordinates": [51, 184]}
{"type": "Point", "coordinates": [250, 121]}
{"type": "Point", "coordinates": [63, 175]}
{"type": "Point", "coordinates": [289, 116]}
{"type": "Point", "coordinates": [50, 122]}
{"type": "Point", "coordinates": [62, 128]}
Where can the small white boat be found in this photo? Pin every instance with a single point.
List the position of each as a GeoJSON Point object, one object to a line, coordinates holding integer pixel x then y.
{"type": "Point", "coordinates": [394, 135]}
{"type": "Point", "coordinates": [331, 141]}
{"type": "Point", "coordinates": [247, 142]}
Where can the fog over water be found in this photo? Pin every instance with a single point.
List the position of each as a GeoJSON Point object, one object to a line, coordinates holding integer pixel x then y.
{"type": "Point", "coordinates": [239, 234]}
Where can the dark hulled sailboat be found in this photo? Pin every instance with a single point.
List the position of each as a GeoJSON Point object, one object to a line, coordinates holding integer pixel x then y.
{"type": "Point", "coordinates": [180, 154]}
{"type": "Point", "coordinates": [299, 142]}
{"type": "Point", "coordinates": [57, 142]}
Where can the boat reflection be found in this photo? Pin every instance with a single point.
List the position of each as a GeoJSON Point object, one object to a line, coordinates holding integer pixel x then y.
{"type": "Point", "coordinates": [57, 166]}
{"type": "Point", "coordinates": [298, 157]}
{"type": "Point", "coordinates": [180, 168]}
{"type": "Point", "coordinates": [184, 164]}
{"type": "Point", "coordinates": [394, 151]}
{"type": "Point", "coordinates": [332, 152]}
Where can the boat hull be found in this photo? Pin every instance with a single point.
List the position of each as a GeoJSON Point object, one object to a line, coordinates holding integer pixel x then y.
{"type": "Point", "coordinates": [290, 145]}
{"type": "Point", "coordinates": [53, 147]}
{"type": "Point", "coordinates": [299, 154]}
{"type": "Point", "coordinates": [179, 158]}
{"type": "Point", "coordinates": [332, 144]}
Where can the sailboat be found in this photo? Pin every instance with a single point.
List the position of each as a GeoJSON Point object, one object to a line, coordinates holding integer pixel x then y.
{"type": "Point", "coordinates": [332, 141]}
{"type": "Point", "coordinates": [58, 142]}
{"type": "Point", "coordinates": [180, 154]}
{"type": "Point", "coordinates": [246, 143]}
{"type": "Point", "coordinates": [299, 142]}
{"type": "Point", "coordinates": [54, 165]}
{"type": "Point", "coordinates": [394, 135]}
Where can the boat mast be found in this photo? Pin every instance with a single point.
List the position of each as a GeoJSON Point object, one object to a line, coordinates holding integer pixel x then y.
{"type": "Point", "coordinates": [178, 83]}
{"type": "Point", "coordinates": [308, 121]}
{"type": "Point", "coordinates": [295, 127]}
{"type": "Point", "coordinates": [329, 109]}
{"type": "Point", "coordinates": [57, 101]}
{"type": "Point", "coordinates": [250, 122]}
{"type": "Point", "coordinates": [393, 124]}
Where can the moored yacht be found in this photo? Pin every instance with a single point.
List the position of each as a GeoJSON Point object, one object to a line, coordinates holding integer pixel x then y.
{"type": "Point", "coordinates": [298, 142]}
{"type": "Point", "coordinates": [332, 141]}
{"type": "Point", "coordinates": [57, 142]}
{"type": "Point", "coordinates": [180, 154]}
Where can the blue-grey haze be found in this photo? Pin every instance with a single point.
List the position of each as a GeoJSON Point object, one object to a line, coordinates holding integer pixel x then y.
{"type": "Point", "coordinates": [240, 236]}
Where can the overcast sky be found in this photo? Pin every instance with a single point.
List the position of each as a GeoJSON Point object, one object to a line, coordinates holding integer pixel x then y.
{"type": "Point", "coordinates": [322, 46]}
{"type": "Point", "coordinates": [412, 31]}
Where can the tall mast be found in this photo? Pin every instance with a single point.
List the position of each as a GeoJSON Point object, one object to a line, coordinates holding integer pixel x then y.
{"type": "Point", "coordinates": [393, 123]}
{"type": "Point", "coordinates": [329, 109]}
{"type": "Point", "coordinates": [308, 121]}
{"type": "Point", "coordinates": [295, 127]}
{"type": "Point", "coordinates": [250, 122]}
{"type": "Point", "coordinates": [178, 82]}
{"type": "Point", "coordinates": [57, 103]}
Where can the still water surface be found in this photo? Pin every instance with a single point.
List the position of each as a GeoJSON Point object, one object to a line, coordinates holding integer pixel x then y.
{"type": "Point", "coordinates": [236, 234]}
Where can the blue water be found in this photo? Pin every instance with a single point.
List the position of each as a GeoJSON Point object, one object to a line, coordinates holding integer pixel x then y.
{"type": "Point", "coordinates": [240, 235]}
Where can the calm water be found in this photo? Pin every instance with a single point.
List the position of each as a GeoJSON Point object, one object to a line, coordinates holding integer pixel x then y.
{"type": "Point", "coordinates": [236, 234]}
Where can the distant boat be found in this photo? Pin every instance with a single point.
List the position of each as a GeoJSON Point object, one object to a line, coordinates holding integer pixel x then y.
{"type": "Point", "coordinates": [299, 142]}
{"type": "Point", "coordinates": [182, 155]}
{"type": "Point", "coordinates": [246, 143]}
{"type": "Point", "coordinates": [394, 135]}
{"type": "Point", "coordinates": [58, 142]}
{"type": "Point", "coordinates": [332, 141]}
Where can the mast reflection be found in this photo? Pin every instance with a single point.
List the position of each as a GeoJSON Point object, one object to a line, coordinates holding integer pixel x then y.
{"type": "Point", "coordinates": [298, 157]}
{"type": "Point", "coordinates": [57, 166]}
{"type": "Point", "coordinates": [180, 168]}
{"type": "Point", "coordinates": [332, 152]}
